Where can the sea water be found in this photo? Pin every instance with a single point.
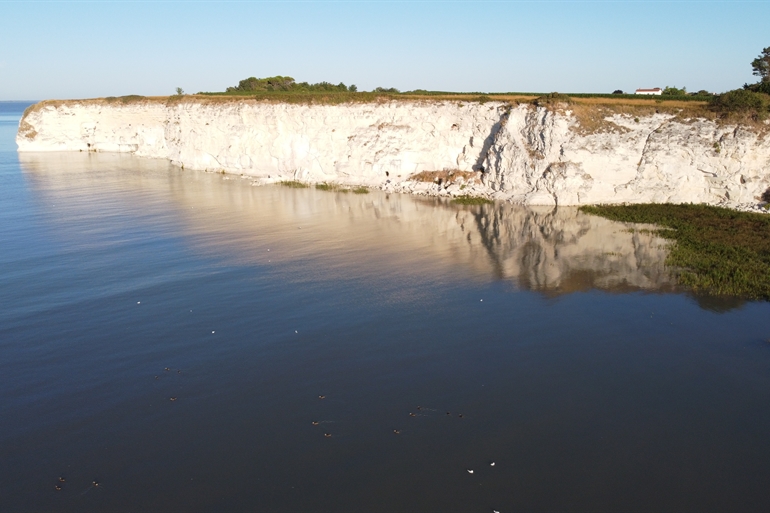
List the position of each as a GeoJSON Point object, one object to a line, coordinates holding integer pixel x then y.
{"type": "Point", "coordinates": [172, 340]}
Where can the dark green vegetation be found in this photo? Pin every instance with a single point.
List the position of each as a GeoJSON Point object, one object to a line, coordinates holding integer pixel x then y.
{"type": "Point", "coordinates": [716, 250]}
{"type": "Point", "coordinates": [333, 187]}
{"type": "Point", "coordinates": [551, 99]}
{"type": "Point", "coordinates": [751, 102]}
{"type": "Point", "coordinates": [287, 89]}
{"type": "Point", "coordinates": [761, 65]}
{"type": "Point", "coordinates": [288, 84]}
{"type": "Point", "coordinates": [131, 98]}
{"type": "Point", "coordinates": [294, 184]}
{"type": "Point", "coordinates": [328, 187]}
{"type": "Point", "coordinates": [471, 200]}
{"type": "Point", "coordinates": [742, 101]}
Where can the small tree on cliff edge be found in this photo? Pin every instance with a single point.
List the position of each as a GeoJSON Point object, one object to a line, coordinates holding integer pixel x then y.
{"type": "Point", "coordinates": [761, 65]}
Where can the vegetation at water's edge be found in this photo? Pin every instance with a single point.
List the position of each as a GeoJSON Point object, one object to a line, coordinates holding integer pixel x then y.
{"type": "Point", "coordinates": [333, 187]}
{"type": "Point", "coordinates": [328, 187]}
{"type": "Point", "coordinates": [295, 184]}
{"type": "Point", "coordinates": [471, 200]}
{"type": "Point", "coordinates": [716, 250]}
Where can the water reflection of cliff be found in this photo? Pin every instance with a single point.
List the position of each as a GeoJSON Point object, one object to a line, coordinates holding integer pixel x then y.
{"type": "Point", "coordinates": [554, 250]}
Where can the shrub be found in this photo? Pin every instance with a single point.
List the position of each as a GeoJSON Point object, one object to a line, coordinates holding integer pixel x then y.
{"type": "Point", "coordinates": [361, 190]}
{"type": "Point", "coordinates": [295, 184]}
{"type": "Point", "coordinates": [552, 99]}
{"type": "Point", "coordinates": [131, 98]}
{"type": "Point", "coordinates": [471, 200]}
{"type": "Point", "coordinates": [766, 196]}
{"type": "Point", "coordinates": [743, 101]}
{"type": "Point", "coordinates": [760, 87]}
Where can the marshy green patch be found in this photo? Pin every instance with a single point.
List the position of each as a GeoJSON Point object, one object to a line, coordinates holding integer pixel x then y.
{"type": "Point", "coordinates": [716, 250]}
{"type": "Point", "coordinates": [470, 200]}
{"type": "Point", "coordinates": [294, 184]}
{"type": "Point", "coordinates": [360, 190]}
{"type": "Point", "coordinates": [333, 187]}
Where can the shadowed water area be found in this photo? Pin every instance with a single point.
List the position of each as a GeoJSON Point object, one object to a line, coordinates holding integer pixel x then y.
{"type": "Point", "coordinates": [442, 338]}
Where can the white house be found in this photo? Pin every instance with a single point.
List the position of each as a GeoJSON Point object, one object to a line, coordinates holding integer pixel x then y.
{"type": "Point", "coordinates": [655, 91]}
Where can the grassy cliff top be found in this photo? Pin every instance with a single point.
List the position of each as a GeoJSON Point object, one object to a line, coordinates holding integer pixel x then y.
{"type": "Point", "coordinates": [583, 105]}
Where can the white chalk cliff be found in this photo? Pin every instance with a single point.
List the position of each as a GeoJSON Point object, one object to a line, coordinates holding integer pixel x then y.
{"type": "Point", "coordinates": [526, 154]}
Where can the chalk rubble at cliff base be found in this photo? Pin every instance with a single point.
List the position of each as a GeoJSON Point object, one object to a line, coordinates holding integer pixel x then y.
{"type": "Point", "coordinates": [524, 154]}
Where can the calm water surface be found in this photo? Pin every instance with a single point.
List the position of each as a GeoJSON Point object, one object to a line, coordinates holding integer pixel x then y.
{"type": "Point", "coordinates": [579, 369]}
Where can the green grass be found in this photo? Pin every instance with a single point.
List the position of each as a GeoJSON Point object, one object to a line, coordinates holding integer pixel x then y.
{"type": "Point", "coordinates": [333, 187]}
{"type": "Point", "coordinates": [716, 250]}
{"type": "Point", "coordinates": [361, 190]}
{"type": "Point", "coordinates": [308, 97]}
{"type": "Point", "coordinates": [294, 184]}
{"type": "Point", "coordinates": [471, 200]}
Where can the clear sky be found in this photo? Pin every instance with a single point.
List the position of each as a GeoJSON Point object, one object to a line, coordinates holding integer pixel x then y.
{"type": "Point", "coordinates": [66, 49]}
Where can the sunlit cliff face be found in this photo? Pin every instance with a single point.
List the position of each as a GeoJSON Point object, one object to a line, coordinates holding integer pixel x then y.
{"type": "Point", "coordinates": [317, 234]}
{"type": "Point", "coordinates": [524, 154]}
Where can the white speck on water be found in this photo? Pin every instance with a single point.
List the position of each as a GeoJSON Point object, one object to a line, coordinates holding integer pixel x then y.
{"type": "Point", "coordinates": [481, 300]}
{"type": "Point", "coordinates": [213, 332]}
{"type": "Point", "coordinates": [470, 471]}
{"type": "Point", "coordinates": [138, 302]}
{"type": "Point", "coordinates": [492, 464]}
{"type": "Point", "coordinates": [295, 331]}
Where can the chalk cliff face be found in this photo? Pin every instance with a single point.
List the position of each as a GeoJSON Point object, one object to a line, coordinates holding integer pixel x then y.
{"type": "Point", "coordinates": [526, 154]}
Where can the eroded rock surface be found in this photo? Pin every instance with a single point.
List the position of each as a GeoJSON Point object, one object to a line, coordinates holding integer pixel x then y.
{"type": "Point", "coordinates": [526, 154]}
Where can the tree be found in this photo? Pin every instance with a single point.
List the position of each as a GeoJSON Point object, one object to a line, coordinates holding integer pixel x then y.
{"type": "Point", "coordinates": [674, 91]}
{"type": "Point", "coordinates": [179, 91]}
{"type": "Point", "coordinates": [617, 91]}
{"type": "Point", "coordinates": [761, 65]}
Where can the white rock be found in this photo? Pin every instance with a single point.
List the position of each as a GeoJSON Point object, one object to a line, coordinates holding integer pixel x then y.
{"type": "Point", "coordinates": [530, 155]}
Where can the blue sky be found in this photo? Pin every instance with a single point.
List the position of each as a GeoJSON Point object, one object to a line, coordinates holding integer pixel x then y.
{"type": "Point", "coordinates": [61, 49]}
